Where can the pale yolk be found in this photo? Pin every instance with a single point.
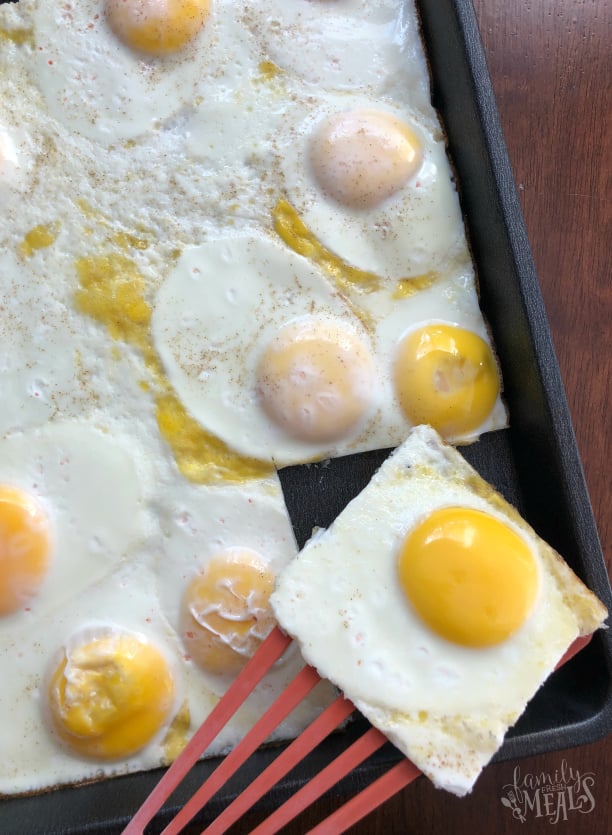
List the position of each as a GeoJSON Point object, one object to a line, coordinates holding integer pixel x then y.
{"type": "Point", "coordinates": [225, 612]}
{"type": "Point", "coordinates": [362, 157]}
{"type": "Point", "coordinates": [111, 695]}
{"type": "Point", "coordinates": [447, 377]}
{"type": "Point", "coordinates": [470, 577]}
{"type": "Point", "coordinates": [315, 380]}
{"type": "Point", "coordinates": [25, 548]}
{"type": "Point", "coordinates": [157, 27]}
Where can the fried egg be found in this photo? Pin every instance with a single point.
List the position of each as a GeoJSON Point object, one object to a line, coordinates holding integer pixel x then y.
{"type": "Point", "coordinates": [72, 506]}
{"type": "Point", "coordinates": [440, 612]}
{"type": "Point", "coordinates": [135, 693]}
{"type": "Point", "coordinates": [221, 551]}
{"type": "Point", "coordinates": [372, 182]}
{"type": "Point", "coordinates": [95, 688]}
{"type": "Point", "coordinates": [263, 352]}
{"type": "Point", "coordinates": [112, 70]}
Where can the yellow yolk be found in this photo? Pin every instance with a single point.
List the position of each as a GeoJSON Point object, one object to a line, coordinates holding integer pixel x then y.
{"type": "Point", "coordinates": [362, 157]}
{"type": "Point", "coordinates": [157, 27]}
{"type": "Point", "coordinates": [225, 613]}
{"type": "Point", "coordinates": [470, 577]}
{"type": "Point", "coordinates": [315, 380]}
{"type": "Point", "coordinates": [25, 548]}
{"type": "Point", "coordinates": [298, 237]}
{"type": "Point", "coordinates": [447, 377]}
{"type": "Point", "coordinates": [111, 695]}
{"type": "Point", "coordinates": [40, 237]}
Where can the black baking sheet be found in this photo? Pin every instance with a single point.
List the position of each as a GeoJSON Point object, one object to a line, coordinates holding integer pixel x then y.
{"type": "Point", "coordinates": [534, 463]}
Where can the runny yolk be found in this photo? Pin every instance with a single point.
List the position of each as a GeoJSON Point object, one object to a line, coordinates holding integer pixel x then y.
{"type": "Point", "coordinates": [225, 611]}
{"type": "Point", "coordinates": [25, 548]}
{"type": "Point", "coordinates": [470, 577]}
{"type": "Point", "coordinates": [446, 376]}
{"type": "Point", "coordinates": [157, 27]}
{"type": "Point", "coordinates": [110, 695]}
{"type": "Point", "coordinates": [362, 157]}
{"type": "Point", "coordinates": [315, 380]}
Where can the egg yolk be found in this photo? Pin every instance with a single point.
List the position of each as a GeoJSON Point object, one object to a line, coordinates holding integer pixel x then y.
{"type": "Point", "coordinates": [315, 380]}
{"type": "Point", "coordinates": [362, 157]}
{"type": "Point", "coordinates": [157, 27]}
{"type": "Point", "coordinates": [470, 577]}
{"type": "Point", "coordinates": [225, 612]}
{"type": "Point", "coordinates": [25, 547]}
{"type": "Point", "coordinates": [110, 695]}
{"type": "Point", "coordinates": [447, 377]}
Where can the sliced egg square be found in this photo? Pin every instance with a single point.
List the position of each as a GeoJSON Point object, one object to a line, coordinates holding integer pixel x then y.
{"type": "Point", "coordinates": [440, 612]}
{"type": "Point", "coordinates": [373, 183]}
{"type": "Point", "coordinates": [72, 507]}
{"type": "Point", "coordinates": [221, 551]}
{"type": "Point", "coordinates": [263, 352]}
{"type": "Point", "coordinates": [114, 70]}
{"type": "Point", "coordinates": [95, 686]}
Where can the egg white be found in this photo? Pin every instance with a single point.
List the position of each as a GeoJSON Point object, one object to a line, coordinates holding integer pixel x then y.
{"type": "Point", "coordinates": [345, 45]}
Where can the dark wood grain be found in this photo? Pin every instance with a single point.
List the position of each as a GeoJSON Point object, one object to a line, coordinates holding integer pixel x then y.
{"type": "Point", "coordinates": [551, 65]}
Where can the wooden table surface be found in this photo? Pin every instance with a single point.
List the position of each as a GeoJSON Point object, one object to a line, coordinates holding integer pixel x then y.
{"type": "Point", "coordinates": [551, 66]}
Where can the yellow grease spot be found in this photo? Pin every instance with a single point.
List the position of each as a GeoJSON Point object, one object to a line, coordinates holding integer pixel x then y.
{"type": "Point", "coordinates": [298, 237]}
{"type": "Point", "coordinates": [410, 286]}
{"type": "Point", "coordinates": [200, 456]}
{"type": "Point", "coordinates": [126, 241]}
{"type": "Point", "coordinates": [40, 237]}
{"type": "Point", "coordinates": [112, 291]}
{"type": "Point", "coordinates": [18, 36]}
{"type": "Point", "coordinates": [86, 208]}
{"type": "Point", "coordinates": [269, 70]}
{"type": "Point", "coordinates": [176, 738]}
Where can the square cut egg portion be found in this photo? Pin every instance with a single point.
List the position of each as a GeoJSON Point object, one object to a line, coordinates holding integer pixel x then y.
{"type": "Point", "coordinates": [113, 70]}
{"type": "Point", "coordinates": [440, 612]}
{"type": "Point", "coordinates": [73, 505]}
{"type": "Point", "coordinates": [370, 178]}
{"type": "Point", "coordinates": [264, 352]}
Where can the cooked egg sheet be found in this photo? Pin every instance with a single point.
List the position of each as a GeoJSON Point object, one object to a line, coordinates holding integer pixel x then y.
{"type": "Point", "coordinates": [186, 306]}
